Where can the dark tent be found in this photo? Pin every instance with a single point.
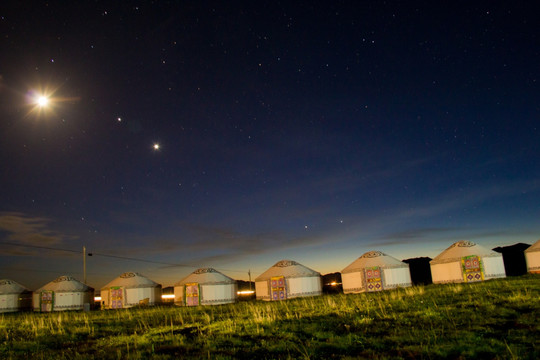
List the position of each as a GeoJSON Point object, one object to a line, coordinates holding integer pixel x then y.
{"type": "Point", "coordinates": [420, 270]}
{"type": "Point", "coordinates": [514, 258]}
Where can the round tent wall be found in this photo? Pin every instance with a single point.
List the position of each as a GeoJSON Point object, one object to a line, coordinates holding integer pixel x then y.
{"type": "Point", "coordinates": [63, 293]}
{"type": "Point", "coordinates": [287, 279]}
{"type": "Point", "coordinates": [532, 257]}
{"type": "Point", "coordinates": [465, 261]}
{"type": "Point", "coordinates": [14, 297]}
{"type": "Point", "coordinates": [128, 290]}
{"type": "Point", "coordinates": [205, 286]}
{"type": "Point", "coordinates": [375, 271]}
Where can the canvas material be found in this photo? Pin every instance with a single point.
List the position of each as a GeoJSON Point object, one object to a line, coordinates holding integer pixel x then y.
{"type": "Point", "coordinates": [288, 269]}
{"type": "Point", "coordinates": [65, 284]}
{"type": "Point", "coordinates": [11, 287]}
{"type": "Point", "coordinates": [130, 280]}
{"type": "Point", "coordinates": [534, 247]}
{"type": "Point", "coordinates": [533, 262]}
{"type": "Point", "coordinates": [460, 249]}
{"type": "Point", "coordinates": [374, 258]}
{"type": "Point", "coordinates": [215, 294]}
{"type": "Point", "coordinates": [206, 276]}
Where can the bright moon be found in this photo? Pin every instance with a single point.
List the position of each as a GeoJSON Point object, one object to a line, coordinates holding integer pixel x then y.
{"type": "Point", "coordinates": [42, 101]}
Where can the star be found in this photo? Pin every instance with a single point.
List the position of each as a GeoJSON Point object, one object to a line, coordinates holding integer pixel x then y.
{"type": "Point", "coordinates": [156, 146]}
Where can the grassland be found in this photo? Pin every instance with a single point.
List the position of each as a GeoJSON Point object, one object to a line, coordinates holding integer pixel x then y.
{"type": "Point", "coordinates": [491, 320]}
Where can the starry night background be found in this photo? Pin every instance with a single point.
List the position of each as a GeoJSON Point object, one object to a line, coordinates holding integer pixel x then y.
{"type": "Point", "coordinates": [312, 131]}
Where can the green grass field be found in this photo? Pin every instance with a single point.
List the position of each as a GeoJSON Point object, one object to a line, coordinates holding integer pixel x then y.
{"type": "Point", "coordinates": [491, 320]}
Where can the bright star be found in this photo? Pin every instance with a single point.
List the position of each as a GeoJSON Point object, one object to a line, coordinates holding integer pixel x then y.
{"type": "Point", "coordinates": [156, 146]}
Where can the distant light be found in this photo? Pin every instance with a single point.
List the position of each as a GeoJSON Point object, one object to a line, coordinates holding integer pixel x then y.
{"type": "Point", "coordinates": [167, 296]}
{"type": "Point", "coordinates": [97, 298]}
{"type": "Point", "coordinates": [156, 146]}
{"type": "Point", "coordinates": [246, 292]}
{"type": "Point", "coordinates": [119, 119]}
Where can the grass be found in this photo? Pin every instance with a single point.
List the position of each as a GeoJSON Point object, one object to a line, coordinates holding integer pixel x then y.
{"type": "Point", "coordinates": [497, 319]}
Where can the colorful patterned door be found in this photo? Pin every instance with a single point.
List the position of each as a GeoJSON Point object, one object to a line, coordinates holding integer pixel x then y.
{"type": "Point", "coordinates": [373, 279]}
{"type": "Point", "coordinates": [117, 297]}
{"type": "Point", "coordinates": [192, 294]}
{"type": "Point", "coordinates": [46, 301]}
{"type": "Point", "coordinates": [278, 288]}
{"type": "Point", "coordinates": [472, 268]}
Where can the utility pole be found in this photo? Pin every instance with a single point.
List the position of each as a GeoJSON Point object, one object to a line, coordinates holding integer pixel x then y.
{"type": "Point", "coordinates": [249, 273]}
{"type": "Point", "coordinates": [84, 262]}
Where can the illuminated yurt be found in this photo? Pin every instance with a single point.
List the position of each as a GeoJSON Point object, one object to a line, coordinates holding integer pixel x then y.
{"type": "Point", "coordinates": [205, 286]}
{"type": "Point", "coordinates": [14, 297]}
{"type": "Point", "coordinates": [466, 261]}
{"type": "Point", "coordinates": [64, 293]}
{"type": "Point", "coordinates": [287, 279]}
{"type": "Point", "coordinates": [128, 290]}
{"type": "Point", "coordinates": [375, 271]}
{"type": "Point", "coordinates": [532, 256]}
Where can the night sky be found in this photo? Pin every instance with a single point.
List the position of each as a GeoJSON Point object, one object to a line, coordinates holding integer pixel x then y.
{"type": "Point", "coordinates": [307, 130]}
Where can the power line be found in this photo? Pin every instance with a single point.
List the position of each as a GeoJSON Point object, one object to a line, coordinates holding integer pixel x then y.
{"type": "Point", "coordinates": [113, 256]}
{"type": "Point", "coordinates": [142, 260]}
{"type": "Point", "coordinates": [41, 247]}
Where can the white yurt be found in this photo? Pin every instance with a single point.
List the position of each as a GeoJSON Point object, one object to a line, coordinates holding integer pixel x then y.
{"type": "Point", "coordinates": [128, 290]}
{"type": "Point", "coordinates": [532, 257]}
{"type": "Point", "coordinates": [205, 286]}
{"type": "Point", "coordinates": [14, 297]}
{"type": "Point", "coordinates": [64, 293]}
{"type": "Point", "coordinates": [375, 271]}
{"type": "Point", "coordinates": [287, 279]}
{"type": "Point", "coordinates": [466, 261]}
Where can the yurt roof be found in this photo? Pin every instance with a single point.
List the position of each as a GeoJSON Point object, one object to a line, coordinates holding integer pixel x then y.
{"type": "Point", "coordinates": [207, 276]}
{"type": "Point", "coordinates": [65, 284]}
{"type": "Point", "coordinates": [131, 280]}
{"type": "Point", "coordinates": [11, 287]}
{"type": "Point", "coordinates": [288, 269]}
{"type": "Point", "coordinates": [372, 259]}
{"type": "Point", "coordinates": [534, 247]}
{"type": "Point", "coordinates": [460, 249]}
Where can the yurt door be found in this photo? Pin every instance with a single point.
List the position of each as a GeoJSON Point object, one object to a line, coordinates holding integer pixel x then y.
{"type": "Point", "coordinates": [472, 268]}
{"type": "Point", "coordinates": [46, 300]}
{"type": "Point", "coordinates": [117, 297]}
{"type": "Point", "coordinates": [373, 279]}
{"type": "Point", "coordinates": [192, 294]}
{"type": "Point", "coordinates": [278, 288]}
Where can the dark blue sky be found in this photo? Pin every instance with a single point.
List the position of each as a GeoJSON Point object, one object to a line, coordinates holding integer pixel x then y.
{"type": "Point", "coordinates": [314, 131]}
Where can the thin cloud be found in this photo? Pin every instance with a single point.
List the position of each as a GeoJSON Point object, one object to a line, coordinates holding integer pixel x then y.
{"type": "Point", "coordinates": [463, 199]}
{"type": "Point", "coordinates": [417, 233]}
{"type": "Point", "coordinates": [28, 230]}
{"type": "Point", "coordinates": [232, 244]}
{"type": "Point", "coordinates": [379, 228]}
{"type": "Point", "coordinates": [18, 228]}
